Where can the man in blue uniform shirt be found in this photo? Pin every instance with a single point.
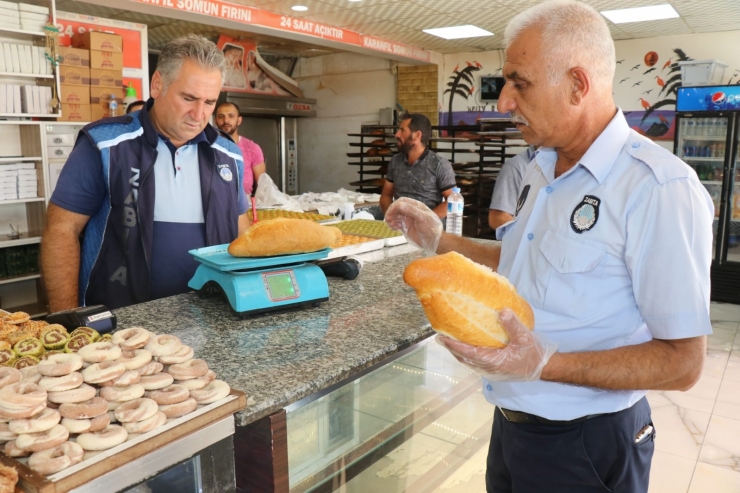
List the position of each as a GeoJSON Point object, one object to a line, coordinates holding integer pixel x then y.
{"type": "Point", "coordinates": [611, 246]}
{"type": "Point", "coordinates": [146, 188]}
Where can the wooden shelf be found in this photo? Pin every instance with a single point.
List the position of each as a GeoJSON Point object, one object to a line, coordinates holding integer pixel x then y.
{"type": "Point", "coordinates": [31, 115]}
{"type": "Point", "coordinates": [19, 158]}
{"type": "Point", "coordinates": [22, 201]}
{"type": "Point", "coordinates": [23, 241]}
{"type": "Point", "coordinates": [31, 76]}
{"type": "Point", "coordinates": [21, 31]}
{"type": "Point", "coordinates": [23, 277]}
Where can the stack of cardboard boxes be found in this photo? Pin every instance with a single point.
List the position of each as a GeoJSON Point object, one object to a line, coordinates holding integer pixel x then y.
{"type": "Point", "coordinates": [91, 73]}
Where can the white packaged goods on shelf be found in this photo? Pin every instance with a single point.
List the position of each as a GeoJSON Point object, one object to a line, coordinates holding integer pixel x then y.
{"type": "Point", "coordinates": [9, 98]}
{"type": "Point", "coordinates": [27, 99]}
{"type": "Point", "coordinates": [35, 60]}
{"type": "Point", "coordinates": [3, 99]}
{"type": "Point", "coordinates": [15, 58]}
{"type": "Point", "coordinates": [24, 51]}
{"type": "Point", "coordinates": [25, 165]}
{"type": "Point", "coordinates": [27, 7]}
{"type": "Point", "coordinates": [8, 57]}
{"type": "Point", "coordinates": [2, 59]}
{"type": "Point", "coordinates": [45, 98]}
{"type": "Point", "coordinates": [17, 99]}
{"type": "Point", "coordinates": [8, 5]}
{"type": "Point", "coordinates": [32, 25]}
{"type": "Point", "coordinates": [34, 16]}
{"type": "Point", "coordinates": [702, 72]}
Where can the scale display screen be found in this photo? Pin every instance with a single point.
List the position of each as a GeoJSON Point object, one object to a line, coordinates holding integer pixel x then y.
{"type": "Point", "coordinates": [281, 285]}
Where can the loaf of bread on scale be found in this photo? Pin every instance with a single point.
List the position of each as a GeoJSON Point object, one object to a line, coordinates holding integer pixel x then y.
{"type": "Point", "coordinates": [462, 299]}
{"type": "Point", "coordinates": [283, 236]}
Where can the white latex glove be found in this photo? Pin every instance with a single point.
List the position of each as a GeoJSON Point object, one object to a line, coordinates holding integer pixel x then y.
{"type": "Point", "coordinates": [418, 223]}
{"type": "Point", "coordinates": [522, 360]}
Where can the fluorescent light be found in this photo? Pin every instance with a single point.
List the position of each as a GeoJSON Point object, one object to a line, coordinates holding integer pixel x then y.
{"type": "Point", "coordinates": [458, 32]}
{"type": "Point", "coordinates": [355, 0]}
{"type": "Point", "coordinates": [299, 8]}
{"type": "Point", "coordinates": [639, 14]}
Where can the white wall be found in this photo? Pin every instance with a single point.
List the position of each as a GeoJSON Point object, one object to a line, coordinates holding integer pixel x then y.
{"type": "Point", "coordinates": [722, 46]}
{"type": "Point", "coordinates": [350, 90]}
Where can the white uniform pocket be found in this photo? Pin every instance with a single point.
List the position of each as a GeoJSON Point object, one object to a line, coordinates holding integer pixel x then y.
{"type": "Point", "coordinates": [574, 266]}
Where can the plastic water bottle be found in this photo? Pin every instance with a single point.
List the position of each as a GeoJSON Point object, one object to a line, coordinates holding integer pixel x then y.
{"type": "Point", "coordinates": [455, 206]}
{"type": "Point", "coordinates": [722, 127]}
{"type": "Point", "coordinates": [113, 106]}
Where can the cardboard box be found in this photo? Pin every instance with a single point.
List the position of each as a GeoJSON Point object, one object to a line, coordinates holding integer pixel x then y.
{"type": "Point", "coordinates": [106, 60]}
{"type": "Point", "coordinates": [99, 111]}
{"type": "Point", "coordinates": [75, 113]}
{"type": "Point", "coordinates": [74, 56]}
{"type": "Point", "coordinates": [74, 94]}
{"type": "Point", "coordinates": [74, 75]}
{"type": "Point", "coordinates": [102, 94]}
{"type": "Point", "coordinates": [106, 78]}
{"type": "Point", "coordinates": [94, 40]}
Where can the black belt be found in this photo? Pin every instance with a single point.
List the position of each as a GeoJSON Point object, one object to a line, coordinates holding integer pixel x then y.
{"type": "Point", "coordinates": [531, 419]}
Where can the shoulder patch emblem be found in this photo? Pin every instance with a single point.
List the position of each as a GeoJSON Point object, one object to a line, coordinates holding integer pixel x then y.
{"type": "Point", "coordinates": [224, 171]}
{"type": "Point", "coordinates": [585, 214]}
{"type": "Point", "coordinates": [522, 199]}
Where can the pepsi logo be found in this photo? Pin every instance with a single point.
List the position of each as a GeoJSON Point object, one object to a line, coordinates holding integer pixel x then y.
{"type": "Point", "coordinates": [718, 97]}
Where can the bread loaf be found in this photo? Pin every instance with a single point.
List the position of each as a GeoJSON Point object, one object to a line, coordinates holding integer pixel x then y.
{"type": "Point", "coordinates": [283, 236]}
{"type": "Point", "coordinates": [462, 299]}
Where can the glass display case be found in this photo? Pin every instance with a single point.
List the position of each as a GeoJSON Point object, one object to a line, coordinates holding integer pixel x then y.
{"type": "Point", "coordinates": [411, 423]}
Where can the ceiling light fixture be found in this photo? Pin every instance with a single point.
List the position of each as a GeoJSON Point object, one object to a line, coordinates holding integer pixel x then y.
{"type": "Point", "coordinates": [299, 8]}
{"type": "Point", "coordinates": [640, 14]}
{"type": "Point", "coordinates": [355, 0]}
{"type": "Point", "coordinates": [458, 32]}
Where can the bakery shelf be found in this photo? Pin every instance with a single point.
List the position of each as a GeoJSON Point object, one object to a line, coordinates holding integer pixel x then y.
{"type": "Point", "coordinates": [30, 115]}
{"type": "Point", "coordinates": [23, 277]}
{"type": "Point", "coordinates": [21, 31]}
{"type": "Point", "coordinates": [22, 201]}
{"type": "Point", "coordinates": [23, 241]}
{"type": "Point", "coordinates": [30, 76]}
{"type": "Point", "coordinates": [16, 159]}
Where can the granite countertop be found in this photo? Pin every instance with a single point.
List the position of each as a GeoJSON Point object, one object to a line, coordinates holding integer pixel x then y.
{"type": "Point", "coordinates": [281, 358]}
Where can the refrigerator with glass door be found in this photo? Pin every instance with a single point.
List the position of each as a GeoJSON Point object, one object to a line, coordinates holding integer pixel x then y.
{"type": "Point", "coordinates": [706, 138]}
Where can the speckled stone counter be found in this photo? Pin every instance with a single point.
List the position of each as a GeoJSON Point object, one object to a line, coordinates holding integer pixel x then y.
{"type": "Point", "coordinates": [279, 359]}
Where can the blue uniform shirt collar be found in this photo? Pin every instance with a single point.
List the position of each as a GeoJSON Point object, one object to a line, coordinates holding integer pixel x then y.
{"type": "Point", "coordinates": [599, 158]}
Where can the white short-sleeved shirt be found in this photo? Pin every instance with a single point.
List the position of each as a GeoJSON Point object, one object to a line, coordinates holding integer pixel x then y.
{"type": "Point", "coordinates": [506, 189]}
{"type": "Point", "coordinates": [614, 252]}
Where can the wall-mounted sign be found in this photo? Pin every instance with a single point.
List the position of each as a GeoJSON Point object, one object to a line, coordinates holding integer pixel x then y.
{"type": "Point", "coordinates": [249, 15]}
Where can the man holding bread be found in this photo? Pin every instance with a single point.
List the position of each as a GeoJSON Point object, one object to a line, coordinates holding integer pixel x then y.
{"type": "Point", "coordinates": [610, 246]}
{"type": "Point", "coordinates": [417, 172]}
{"type": "Point", "coordinates": [145, 188]}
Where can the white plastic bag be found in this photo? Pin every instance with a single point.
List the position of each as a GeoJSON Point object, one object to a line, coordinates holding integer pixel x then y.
{"type": "Point", "coordinates": [268, 196]}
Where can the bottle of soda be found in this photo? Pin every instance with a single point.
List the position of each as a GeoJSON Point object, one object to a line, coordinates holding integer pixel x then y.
{"type": "Point", "coordinates": [455, 204]}
{"type": "Point", "coordinates": [722, 127]}
{"type": "Point", "coordinates": [689, 127]}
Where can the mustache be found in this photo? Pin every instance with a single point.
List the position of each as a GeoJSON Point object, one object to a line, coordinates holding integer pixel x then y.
{"type": "Point", "coordinates": [516, 118]}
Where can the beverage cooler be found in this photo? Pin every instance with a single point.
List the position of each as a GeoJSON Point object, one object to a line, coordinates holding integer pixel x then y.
{"type": "Point", "coordinates": [707, 120]}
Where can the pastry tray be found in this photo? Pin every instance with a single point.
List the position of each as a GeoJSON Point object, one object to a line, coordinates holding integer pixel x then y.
{"type": "Point", "coordinates": [105, 462]}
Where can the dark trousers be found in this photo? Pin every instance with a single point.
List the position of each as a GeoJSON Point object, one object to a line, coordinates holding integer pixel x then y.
{"type": "Point", "coordinates": [596, 455]}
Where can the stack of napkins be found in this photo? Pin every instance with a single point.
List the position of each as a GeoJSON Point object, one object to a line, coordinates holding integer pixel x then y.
{"type": "Point", "coordinates": [10, 16]}
{"type": "Point", "coordinates": [33, 17]}
{"type": "Point", "coordinates": [25, 99]}
{"type": "Point", "coordinates": [24, 59]}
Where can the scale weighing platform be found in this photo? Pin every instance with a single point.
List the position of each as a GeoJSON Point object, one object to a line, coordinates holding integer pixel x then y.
{"type": "Point", "coordinates": [255, 285]}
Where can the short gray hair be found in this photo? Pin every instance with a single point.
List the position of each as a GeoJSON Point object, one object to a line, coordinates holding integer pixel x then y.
{"type": "Point", "coordinates": [573, 35]}
{"type": "Point", "coordinates": [190, 47]}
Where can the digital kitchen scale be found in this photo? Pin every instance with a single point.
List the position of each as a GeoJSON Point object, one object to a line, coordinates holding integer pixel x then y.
{"type": "Point", "coordinates": [255, 285]}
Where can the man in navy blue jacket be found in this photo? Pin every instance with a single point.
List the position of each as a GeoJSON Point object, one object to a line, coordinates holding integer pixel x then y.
{"type": "Point", "coordinates": [145, 188]}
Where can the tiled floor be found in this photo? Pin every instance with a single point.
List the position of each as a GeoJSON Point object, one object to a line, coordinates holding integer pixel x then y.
{"type": "Point", "coordinates": [697, 443]}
